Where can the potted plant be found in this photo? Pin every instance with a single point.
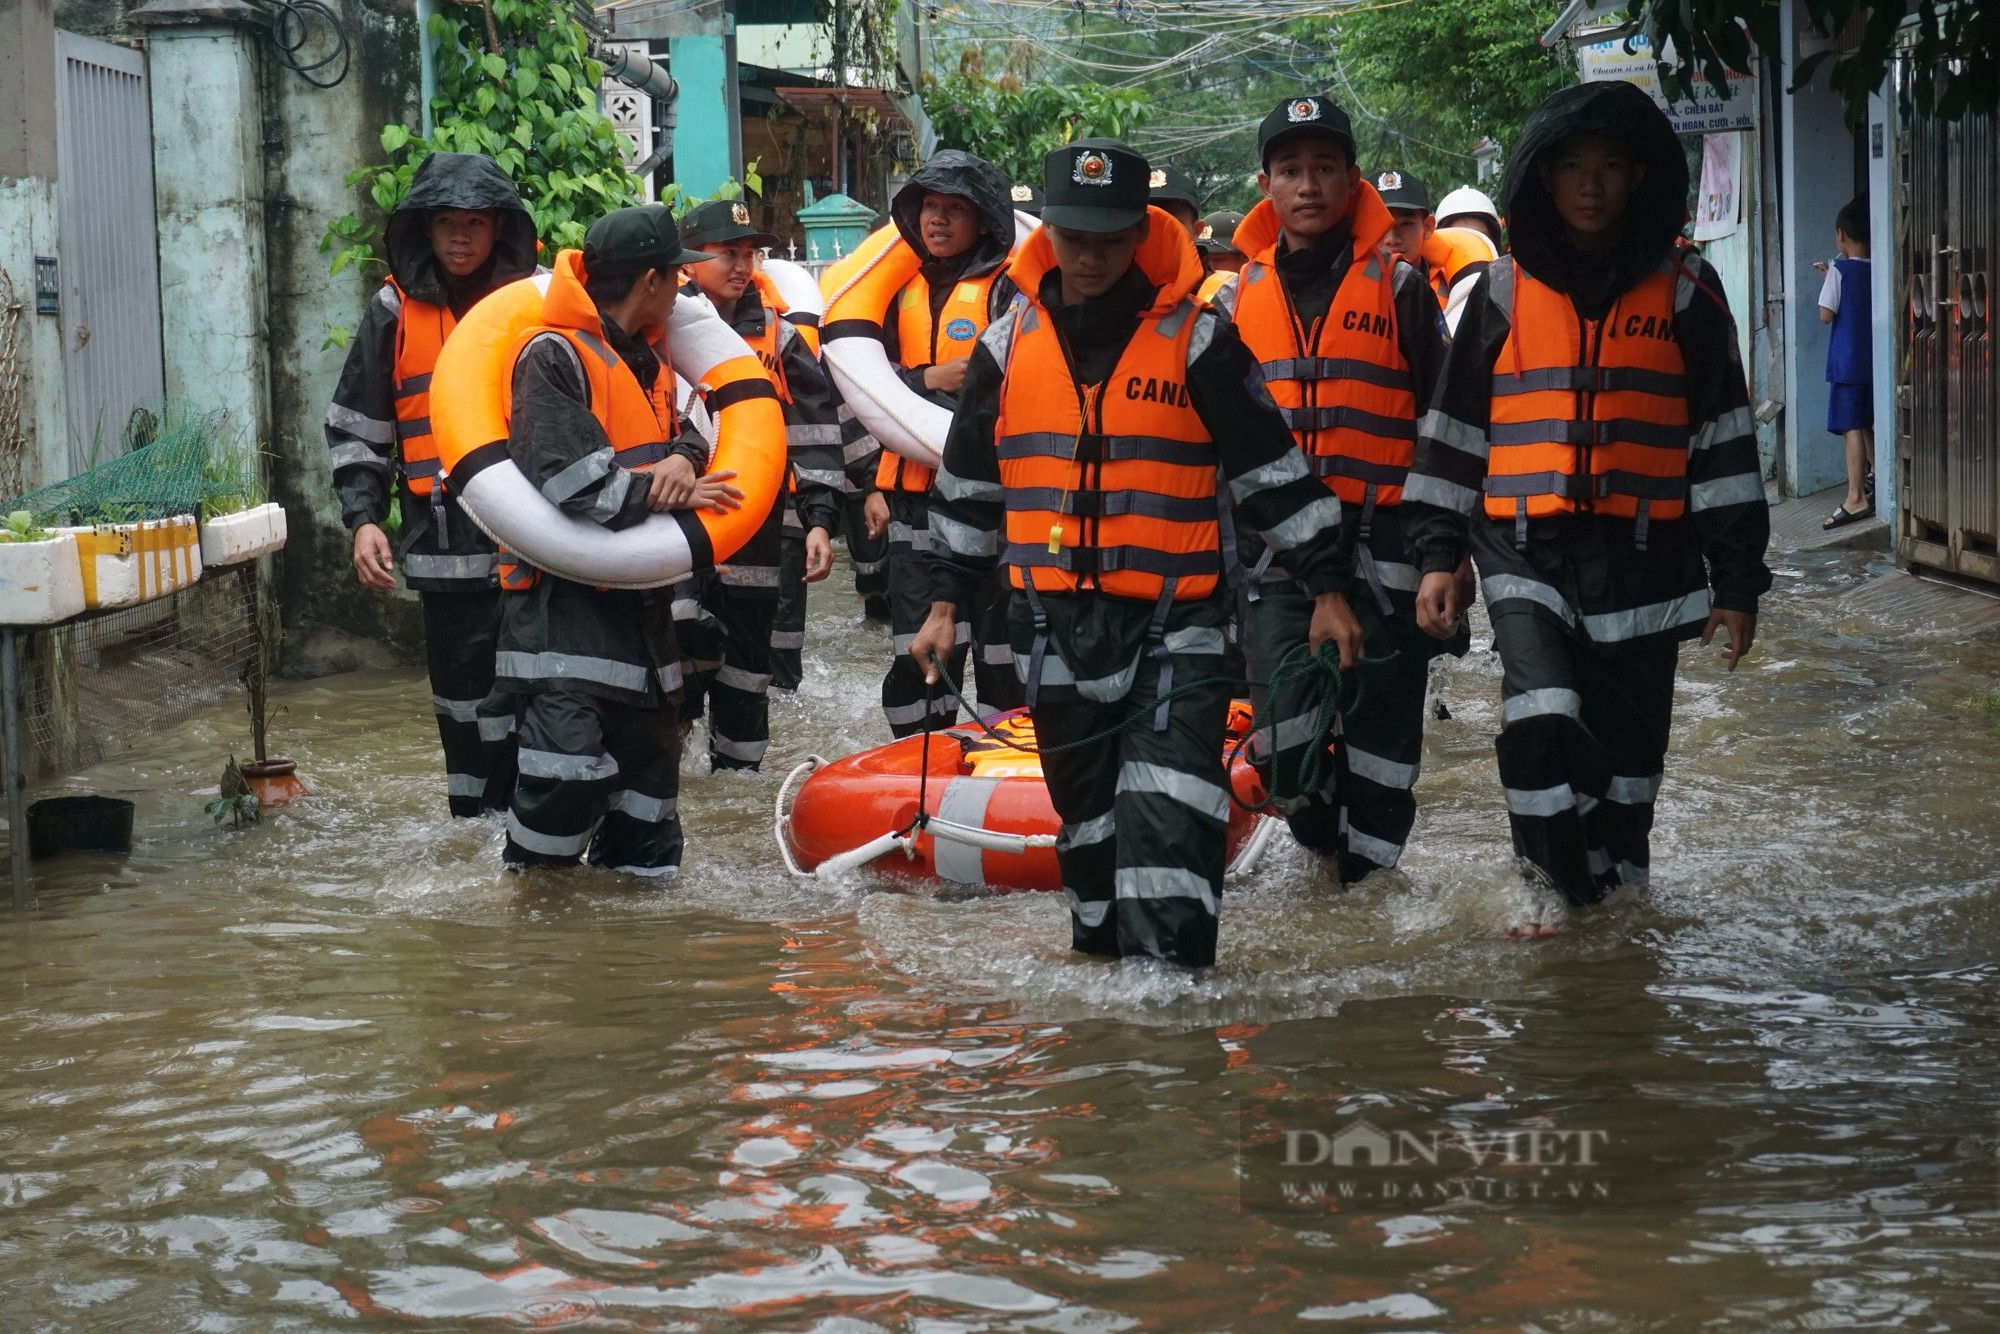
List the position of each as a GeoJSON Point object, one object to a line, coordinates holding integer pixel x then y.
{"type": "Point", "coordinates": [237, 523]}
{"type": "Point", "coordinates": [274, 781]}
{"type": "Point", "coordinates": [41, 578]}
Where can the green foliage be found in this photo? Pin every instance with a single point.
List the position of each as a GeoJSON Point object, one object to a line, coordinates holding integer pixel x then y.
{"type": "Point", "coordinates": [1953, 52]}
{"type": "Point", "coordinates": [1422, 92]}
{"type": "Point", "coordinates": [679, 201]}
{"type": "Point", "coordinates": [232, 481]}
{"type": "Point", "coordinates": [20, 526]}
{"type": "Point", "coordinates": [1015, 124]}
{"type": "Point", "coordinates": [235, 804]}
{"type": "Point", "coordinates": [531, 106]}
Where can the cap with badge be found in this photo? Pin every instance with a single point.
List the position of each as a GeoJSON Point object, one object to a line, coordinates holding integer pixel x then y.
{"type": "Point", "coordinates": [1026, 199]}
{"type": "Point", "coordinates": [1217, 232]}
{"type": "Point", "coordinates": [1095, 185]}
{"type": "Point", "coordinates": [633, 240]}
{"type": "Point", "coordinates": [720, 221]}
{"type": "Point", "coordinates": [1402, 189]}
{"type": "Point", "coordinates": [1171, 185]}
{"type": "Point", "coordinates": [1305, 118]}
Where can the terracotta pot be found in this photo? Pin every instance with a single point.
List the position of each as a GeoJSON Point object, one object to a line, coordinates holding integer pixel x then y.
{"type": "Point", "coordinates": [274, 781]}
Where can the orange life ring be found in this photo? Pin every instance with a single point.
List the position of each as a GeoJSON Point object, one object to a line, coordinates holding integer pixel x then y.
{"type": "Point", "coordinates": [974, 781]}
{"type": "Point", "coordinates": [470, 393]}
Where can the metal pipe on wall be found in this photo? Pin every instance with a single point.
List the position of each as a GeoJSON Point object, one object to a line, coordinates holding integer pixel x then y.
{"type": "Point", "coordinates": [426, 64]}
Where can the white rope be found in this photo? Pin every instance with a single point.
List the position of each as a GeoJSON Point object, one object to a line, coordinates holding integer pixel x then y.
{"type": "Point", "coordinates": [807, 769]}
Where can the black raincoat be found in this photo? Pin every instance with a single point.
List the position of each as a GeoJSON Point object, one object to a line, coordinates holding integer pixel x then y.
{"type": "Point", "coordinates": [1588, 611]}
{"type": "Point", "coordinates": [361, 422]}
{"type": "Point", "coordinates": [442, 554]}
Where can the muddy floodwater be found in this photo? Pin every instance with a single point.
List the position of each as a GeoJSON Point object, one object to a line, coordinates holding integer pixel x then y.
{"type": "Point", "coordinates": [341, 1072]}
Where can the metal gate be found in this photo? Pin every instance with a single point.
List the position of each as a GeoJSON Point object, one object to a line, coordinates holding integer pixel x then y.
{"type": "Point", "coordinates": [109, 256]}
{"type": "Point", "coordinates": [1948, 446]}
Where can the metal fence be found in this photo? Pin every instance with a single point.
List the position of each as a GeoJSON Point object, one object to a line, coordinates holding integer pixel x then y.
{"type": "Point", "coordinates": [109, 262]}
{"type": "Point", "coordinates": [1947, 244]}
{"type": "Point", "coordinates": [97, 688]}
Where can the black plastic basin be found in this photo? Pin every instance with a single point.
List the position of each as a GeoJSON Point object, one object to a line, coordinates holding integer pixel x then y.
{"type": "Point", "coordinates": [79, 824]}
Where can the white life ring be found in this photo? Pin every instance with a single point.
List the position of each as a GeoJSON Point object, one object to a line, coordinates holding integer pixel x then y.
{"type": "Point", "coordinates": [797, 286]}
{"type": "Point", "coordinates": [905, 422]}
{"type": "Point", "coordinates": [662, 549]}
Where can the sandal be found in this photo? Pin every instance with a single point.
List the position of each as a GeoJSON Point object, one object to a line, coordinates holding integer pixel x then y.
{"type": "Point", "coordinates": [1843, 516]}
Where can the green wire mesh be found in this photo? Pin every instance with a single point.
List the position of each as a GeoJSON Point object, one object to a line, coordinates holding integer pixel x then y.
{"type": "Point", "coordinates": [174, 459]}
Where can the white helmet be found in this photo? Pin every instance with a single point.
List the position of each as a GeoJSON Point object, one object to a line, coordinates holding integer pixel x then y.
{"type": "Point", "coordinates": [1465, 200]}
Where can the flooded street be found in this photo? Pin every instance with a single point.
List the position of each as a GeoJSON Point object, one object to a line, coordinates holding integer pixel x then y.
{"type": "Point", "coordinates": [342, 1072]}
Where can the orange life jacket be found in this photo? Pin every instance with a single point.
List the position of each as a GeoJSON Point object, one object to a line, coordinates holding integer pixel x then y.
{"type": "Point", "coordinates": [1212, 284]}
{"type": "Point", "coordinates": [927, 342]}
{"type": "Point", "coordinates": [1344, 385]}
{"type": "Point", "coordinates": [421, 329]}
{"type": "Point", "coordinates": [766, 344]}
{"type": "Point", "coordinates": [1110, 486]}
{"type": "Point", "coordinates": [638, 423]}
{"type": "Point", "coordinates": [1588, 416]}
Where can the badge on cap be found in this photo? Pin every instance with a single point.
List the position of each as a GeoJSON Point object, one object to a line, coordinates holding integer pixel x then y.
{"type": "Point", "coordinates": [1207, 233]}
{"type": "Point", "coordinates": [1158, 180]}
{"type": "Point", "coordinates": [1024, 194]}
{"type": "Point", "coordinates": [1303, 110]}
{"type": "Point", "coordinates": [1389, 180]}
{"type": "Point", "coordinates": [1092, 168]}
{"type": "Point", "coordinates": [739, 214]}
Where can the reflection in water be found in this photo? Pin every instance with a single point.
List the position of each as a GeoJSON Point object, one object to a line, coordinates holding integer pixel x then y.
{"type": "Point", "coordinates": [341, 1071]}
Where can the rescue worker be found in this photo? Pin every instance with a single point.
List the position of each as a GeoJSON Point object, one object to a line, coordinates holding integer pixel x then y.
{"type": "Point", "coordinates": [1175, 193]}
{"type": "Point", "coordinates": [1100, 418]}
{"type": "Point", "coordinates": [1217, 242]}
{"type": "Point", "coordinates": [957, 213]}
{"type": "Point", "coordinates": [1592, 442]}
{"type": "Point", "coordinates": [1409, 203]}
{"type": "Point", "coordinates": [1467, 207]}
{"type": "Point", "coordinates": [728, 619]}
{"type": "Point", "coordinates": [460, 233]}
{"type": "Point", "coordinates": [1026, 199]}
{"type": "Point", "coordinates": [1349, 343]}
{"type": "Point", "coordinates": [1450, 258]}
{"type": "Point", "coordinates": [1214, 238]}
{"type": "Point", "coordinates": [594, 673]}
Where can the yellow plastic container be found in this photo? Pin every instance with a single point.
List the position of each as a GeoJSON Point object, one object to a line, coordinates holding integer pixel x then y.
{"type": "Point", "coordinates": [125, 564]}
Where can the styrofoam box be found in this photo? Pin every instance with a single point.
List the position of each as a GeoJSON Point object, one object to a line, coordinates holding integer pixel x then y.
{"type": "Point", "coordinates": [40, 582]}
{"type": "Point", "coordinates": [125, 564]}
{"type": "Point", "coordinates": [231, 539]}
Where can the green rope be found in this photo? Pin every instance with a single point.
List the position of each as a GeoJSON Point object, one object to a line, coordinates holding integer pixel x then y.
{"type": "Point", "coordinates": [1319, 667]}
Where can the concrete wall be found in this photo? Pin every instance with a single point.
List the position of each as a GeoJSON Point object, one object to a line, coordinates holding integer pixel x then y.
{"type": "Point", "coordinates": [208, 184]}
{"type": "Point", "coordinates": [1817, 165]}
{"type": "Point", "coordinates": [251, 165]}
{"type": "Point", "coordinates": [1887, 301]}
{"type": "Point", "coordinates": [313, 138]}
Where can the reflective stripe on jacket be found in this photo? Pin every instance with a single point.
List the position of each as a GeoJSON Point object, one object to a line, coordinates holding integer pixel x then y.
{"type": "Point", "coordinates": [1110, 486]}
{"type": "Point", "coordinates": [1588, 416]}
{"type": "Point", "coordinates": [1344, 386]}
{"type": "Point", "coordinates": [421, 329]}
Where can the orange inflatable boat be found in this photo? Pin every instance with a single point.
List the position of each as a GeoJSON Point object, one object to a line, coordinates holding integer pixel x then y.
{"type": "Point", "coordinates": [990, 818]}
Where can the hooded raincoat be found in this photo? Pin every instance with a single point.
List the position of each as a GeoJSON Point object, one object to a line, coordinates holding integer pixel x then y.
{"type": "Point", "coordinates": [443, 555]}
{"type": "Point", "coordinates": [1589, 608]}
{"type": "Point", "coordinates": [983, 630]}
